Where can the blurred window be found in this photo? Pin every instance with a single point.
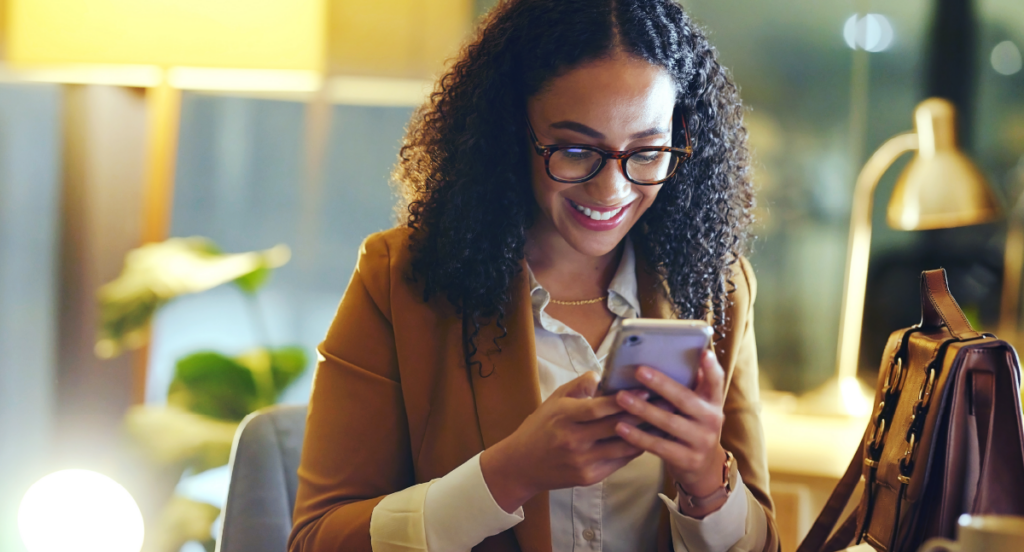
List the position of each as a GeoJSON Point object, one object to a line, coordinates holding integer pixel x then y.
{"type": "Point", "coordinates": [240, 181]}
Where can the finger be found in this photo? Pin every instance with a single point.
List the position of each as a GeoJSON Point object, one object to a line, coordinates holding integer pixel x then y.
{"type": "Point", "coordinates": [686, 401]}
{"type": "Point", "coordinates": [582, 387]}
{"type": "Point", "coordinates": [586, 410]}
{"type": "Point", "coordinates": [614, 449]}
{"type": "Point", "coordinates": [678, 427]}
{"type": "Point", "coordinates": [711, 380]}
{"type": "Point", "coordinates": [605, 427]}
{"type": "Point", "coordinates": [663, 448]}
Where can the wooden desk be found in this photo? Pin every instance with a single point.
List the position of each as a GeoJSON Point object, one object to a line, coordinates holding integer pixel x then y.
{"type": "Point", "coordinates": [806, 457]}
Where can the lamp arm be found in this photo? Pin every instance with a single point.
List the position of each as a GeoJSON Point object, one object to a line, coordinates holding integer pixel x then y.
{"type": "Point", "coordinates": [859, 249]}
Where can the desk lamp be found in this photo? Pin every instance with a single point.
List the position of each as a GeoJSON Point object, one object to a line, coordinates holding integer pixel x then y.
{"type": "Point", "coordinates": [939, 188]}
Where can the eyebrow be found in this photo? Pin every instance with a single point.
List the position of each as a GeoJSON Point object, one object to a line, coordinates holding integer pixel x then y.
{"type": "Point", "coordinates": [585, 130]}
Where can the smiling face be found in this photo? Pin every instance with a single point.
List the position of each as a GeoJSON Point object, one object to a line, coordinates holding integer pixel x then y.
{"type": "Point", "coordinates": [618, 103]}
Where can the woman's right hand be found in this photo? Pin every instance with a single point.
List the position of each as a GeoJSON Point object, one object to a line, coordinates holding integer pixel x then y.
{"type": "Point", "coordinates": [569, 441]}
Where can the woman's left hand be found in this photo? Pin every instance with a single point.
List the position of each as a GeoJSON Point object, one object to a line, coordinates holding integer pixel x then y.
{"type": "Point", "coordinates": [691, 425]}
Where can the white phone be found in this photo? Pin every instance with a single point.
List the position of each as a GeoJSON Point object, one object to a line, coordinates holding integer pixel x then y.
{"type": "Point", "coordinates": [673, 347]}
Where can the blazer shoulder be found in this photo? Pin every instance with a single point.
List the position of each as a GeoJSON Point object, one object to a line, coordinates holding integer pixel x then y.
{"type": "Point", "coordinates": [746, 279]}
{"type": "Point", "coordinates": [744, 291]}
{"type": "Point", "coordinates": [383, 249]}
{"type": "Point", "coordinates": [384, 260]}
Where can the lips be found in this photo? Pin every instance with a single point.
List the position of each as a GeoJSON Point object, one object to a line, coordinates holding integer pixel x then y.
{"type": "Point", "coordinates": [597, 218]}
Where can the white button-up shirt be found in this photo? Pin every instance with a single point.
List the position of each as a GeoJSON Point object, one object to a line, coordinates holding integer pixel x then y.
{"type": "Point", "coordinates": [620, 514]}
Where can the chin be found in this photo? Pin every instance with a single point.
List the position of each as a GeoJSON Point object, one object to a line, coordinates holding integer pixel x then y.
{"type": "Point", "coordinates": [593, 244]}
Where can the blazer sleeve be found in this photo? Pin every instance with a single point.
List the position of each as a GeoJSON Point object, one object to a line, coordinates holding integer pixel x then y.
{"type": "Point", "coordinates": [356, 450]}
{"type": "Point", "coordinates": [742, 433]}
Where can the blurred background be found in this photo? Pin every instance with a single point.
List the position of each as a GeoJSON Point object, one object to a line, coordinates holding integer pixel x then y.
{"type": "Point", "coordinates": [269, 129]}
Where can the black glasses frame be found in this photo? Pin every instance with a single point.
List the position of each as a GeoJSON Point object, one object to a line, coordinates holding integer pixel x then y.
{"type": "Point", "coordinates": [621, 156]}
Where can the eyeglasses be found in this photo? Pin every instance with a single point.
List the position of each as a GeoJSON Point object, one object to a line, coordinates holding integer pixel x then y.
{"type": "Point", "coordinates": [578, 163]}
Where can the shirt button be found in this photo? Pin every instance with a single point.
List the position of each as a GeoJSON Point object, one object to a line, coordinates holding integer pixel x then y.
{"type": "Point", "coordinates": [589, 534]}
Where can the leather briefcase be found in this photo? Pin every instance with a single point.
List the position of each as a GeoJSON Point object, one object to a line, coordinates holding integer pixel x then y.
{"type": "Point", "coordinates": [945, 437]}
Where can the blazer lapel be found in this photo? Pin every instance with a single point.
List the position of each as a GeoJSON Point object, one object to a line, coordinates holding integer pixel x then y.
{"type": "Point", "coordinates": [506, 391]}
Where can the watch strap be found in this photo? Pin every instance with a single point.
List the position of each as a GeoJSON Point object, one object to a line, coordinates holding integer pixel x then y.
{"type": "Point", "coordinates": [729, 472]}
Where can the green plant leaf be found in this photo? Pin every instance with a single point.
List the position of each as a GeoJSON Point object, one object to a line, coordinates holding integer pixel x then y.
{"type": "Point", "coordinates": [253, 281]}
{"type": "Point", "coordinates": [287, 364]}
{"type": "Point", "coordinates": [158, 272]}
{"type": "Point", "coordinates": [168, 435]}
{"type": "Point", "coordinates": [214, 385]}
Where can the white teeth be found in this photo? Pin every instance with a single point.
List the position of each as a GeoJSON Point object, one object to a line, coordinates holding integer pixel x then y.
{"type": "Point", "coordinates": [596, 215]}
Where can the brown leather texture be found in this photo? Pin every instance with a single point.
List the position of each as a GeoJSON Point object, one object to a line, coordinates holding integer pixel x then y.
{"type": "Point", "coordinates": [393, 404]}
{"type": "Point", "coordinates": [946, 436]}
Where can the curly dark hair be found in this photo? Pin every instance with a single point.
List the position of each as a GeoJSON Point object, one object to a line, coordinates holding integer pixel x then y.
{"type": "Point", "coordinates": [465, 155]}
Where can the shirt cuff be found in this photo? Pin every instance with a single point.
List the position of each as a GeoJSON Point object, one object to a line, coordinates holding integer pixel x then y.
{"type": "Point", "coordinates": [396, 524]}
{"type": "Point", "coordinates": [721, 530]}
{"type": "Point", "coordinates": [461, 512]}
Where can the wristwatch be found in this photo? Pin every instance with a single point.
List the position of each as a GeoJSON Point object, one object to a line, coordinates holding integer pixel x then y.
{"type": "Point", "coordinates": [729, 476]}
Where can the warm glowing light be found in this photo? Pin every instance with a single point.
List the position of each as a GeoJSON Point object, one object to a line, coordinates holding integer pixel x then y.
{"type": "Point", "coordinates": [82, 511]}
{"type": "Point", "coordinates": [871, 32]}
{"type": "Point", "coordinates": [854, 401]}
{"type": "Point", "coordinates": [1006, 58]}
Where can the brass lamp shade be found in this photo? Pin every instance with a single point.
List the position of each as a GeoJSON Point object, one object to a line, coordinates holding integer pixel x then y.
{"type": "Point", "coordinates": [940, 187]}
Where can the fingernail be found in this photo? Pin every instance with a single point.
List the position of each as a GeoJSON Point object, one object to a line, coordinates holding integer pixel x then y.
{"type": "Point", "coordinates": [625, 398]}
{"type": "Point", "coordinates": [643, 395]}
{"type": "Point", "coordinates": [643, 374]}
{"type": "Point", "coordinates": [623, 428]}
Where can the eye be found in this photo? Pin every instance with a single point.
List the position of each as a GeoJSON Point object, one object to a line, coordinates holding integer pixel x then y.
{"type": "Point", "coordinates": [645, 157]}
{"type": "Point", "coordinates": [577, 154]}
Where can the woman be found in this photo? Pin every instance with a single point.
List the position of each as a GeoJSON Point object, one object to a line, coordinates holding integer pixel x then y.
{"type": "Point", "coordinates": [551, 193]}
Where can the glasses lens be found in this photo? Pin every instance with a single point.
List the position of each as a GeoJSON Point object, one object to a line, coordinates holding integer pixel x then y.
{"type": "Point", "coordinates": [651, 166]}
{"type": "Point", "coordinates": [574, 163]}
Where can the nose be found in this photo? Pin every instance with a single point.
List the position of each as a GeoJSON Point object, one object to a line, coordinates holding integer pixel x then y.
{"type": "Point", "coordinates": [609, 186]}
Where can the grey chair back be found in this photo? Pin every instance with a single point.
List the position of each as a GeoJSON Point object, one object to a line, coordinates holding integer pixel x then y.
{"type": "Point", "coordinates": [264, 480]}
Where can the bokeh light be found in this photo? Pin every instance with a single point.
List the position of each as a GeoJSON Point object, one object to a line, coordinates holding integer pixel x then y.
{"type": "Point", "coordinates": [82, 511]}
{"type": "Point", "coordinates": [873, 32]}
{"type": "Point", "coordinates": [1006, 58]}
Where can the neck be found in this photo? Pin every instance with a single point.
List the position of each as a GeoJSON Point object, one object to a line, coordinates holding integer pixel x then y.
{"type": "Point", "coordinates": [565, 272]}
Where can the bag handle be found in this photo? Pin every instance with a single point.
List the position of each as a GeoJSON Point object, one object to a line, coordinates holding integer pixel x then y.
{"type": "Point", "coordinates": [817, 539]}
{"type": "Point", "coordinates": [938, 308]}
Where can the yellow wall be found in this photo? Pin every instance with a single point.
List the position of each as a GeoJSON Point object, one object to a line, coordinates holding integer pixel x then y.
{"type": "Point", "coordinates": [396, 38]}
{"type": "Point", "coordinates": [389, 38]}
{"type": "Point", "coordinates": [3, 28]}
{"type": "Point", "coordinates": [269, 34]}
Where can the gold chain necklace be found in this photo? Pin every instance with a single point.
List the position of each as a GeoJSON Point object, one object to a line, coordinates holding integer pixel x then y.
{"type": "Point", "coordinates": [577, 303]}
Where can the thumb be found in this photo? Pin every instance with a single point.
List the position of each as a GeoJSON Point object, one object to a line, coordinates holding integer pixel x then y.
{"type": "Point", "coordinates": [710, 378]}
{"type": "Point", "coordinates": [582, 387]}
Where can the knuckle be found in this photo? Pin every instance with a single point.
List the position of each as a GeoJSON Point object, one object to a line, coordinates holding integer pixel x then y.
{"type": "Point", "coordinates": [717, 418]}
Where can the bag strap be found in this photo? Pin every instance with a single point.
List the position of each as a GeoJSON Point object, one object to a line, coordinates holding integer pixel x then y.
{"type": "Point", "coordinates": [938, 308]}
{"type": "Point", "coordinates": [818, 535]}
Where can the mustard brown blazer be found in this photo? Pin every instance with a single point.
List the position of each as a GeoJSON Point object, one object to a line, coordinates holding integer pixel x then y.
{"type": "Point", "coordinates": [394, 405]}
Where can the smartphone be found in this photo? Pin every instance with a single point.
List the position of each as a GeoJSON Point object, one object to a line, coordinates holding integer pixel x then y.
{"type": "Point", "coordinates": [673, 347]}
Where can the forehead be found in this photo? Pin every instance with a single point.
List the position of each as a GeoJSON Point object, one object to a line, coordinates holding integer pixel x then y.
{"type": "Point", "coordinates": [619, 94]}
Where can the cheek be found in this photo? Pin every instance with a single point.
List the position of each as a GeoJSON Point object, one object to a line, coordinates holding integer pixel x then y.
{"type": "Point", "coordinates": [647, 196]}
{"type": "Point", "coordinates": [544, 189]}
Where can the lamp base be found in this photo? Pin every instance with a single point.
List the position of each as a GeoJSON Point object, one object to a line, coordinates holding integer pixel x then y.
{"type": "Point", "coordinates": [839, 396]}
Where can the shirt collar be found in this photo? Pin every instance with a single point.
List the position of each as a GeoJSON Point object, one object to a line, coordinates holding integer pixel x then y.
{"type": "Point", "coordinates": [622, 291]}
